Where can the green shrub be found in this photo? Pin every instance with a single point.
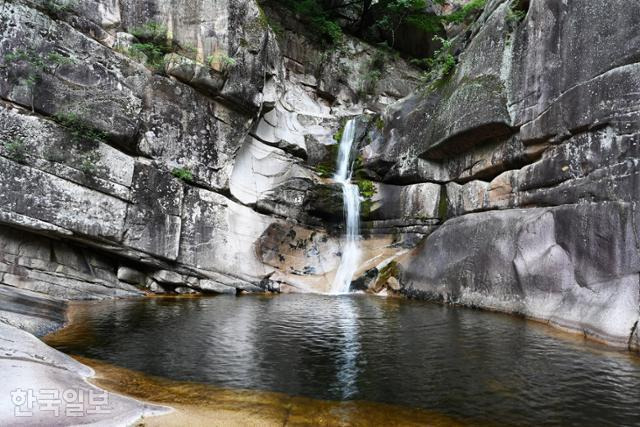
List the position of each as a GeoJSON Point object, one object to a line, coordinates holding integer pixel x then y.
{"type": "Point", "coordinates": [151, 31]}
{"type": "Point", "coordinates": [15, 149]}
{"type": "Point", "coordinates": [153, 54]}
{"type": "Point", "coordinates": [515, 15]}
{"type": "Point", "coordinates": [324, 170]}
{"type": "Point", "coordinates": [183, 174]}
{"type": "Point", "coordinates": [327, 167]}
{"type": "Point", "coordinates": [37, 63]}
{"type": "Point", "coordinates": [367, 188]}
{"type": "Point", "coordinates": [152, 46]}
{"type": "Point", "coordinates": [388, 271]}
{"type": "Point", "coordinates": [463, 14]}
{"type": "Point", "coordinates": [222, 60]}
{"type": "Point", "coordinates": [319, 19]}
{"type": "Point", "coordinates": [441, 65]}
{"type": "Point", "coordinates": [56, 7]}
{"type": "Point", "coordinates": [78, 128]}
{"type": "Point", "coordinates": [338, 135]}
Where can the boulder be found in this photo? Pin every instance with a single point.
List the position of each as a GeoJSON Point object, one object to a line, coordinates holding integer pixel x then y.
{"type": "Point", "coordinates": [575, 266]}
{"type": "Point", "coordinates": [130, 275]}
{"type": "Point", "coordinates": [215, 287]}
{"type": "Point", "coordinates": [167, 277]}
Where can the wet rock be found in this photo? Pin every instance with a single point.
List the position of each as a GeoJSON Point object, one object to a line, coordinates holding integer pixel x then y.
{"type": "Point", "coordinates": [297, 250]}
{"type": "Point", "coordinates": [393, 284]}
{"type": "Point", "coordinates": [129, 275]}
{"type": "Point", "coordinates": [365, 281]}
{"type": "Point", "coordinates": [326, 202]}
{"type": "Point", "coordinates": [155, 287]}
{"type": "Point", "coordinates": [215, 287]}
{"type": "Point", "coordinates": [184, 290]}
{"type": "Point", "coordinates": [49, 269]}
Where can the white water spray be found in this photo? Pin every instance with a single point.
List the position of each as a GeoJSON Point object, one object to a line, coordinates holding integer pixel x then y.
{"type": "Point", "coordinates": [351, 196]}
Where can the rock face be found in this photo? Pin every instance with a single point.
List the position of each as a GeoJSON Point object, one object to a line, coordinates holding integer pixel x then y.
{"type": "Point", "coordinates": [553, 264]}
{"type": "Point", "coordinates": [534, 140]}
{"type": "Point", "coordinates": [180, 166]}
{"type": "Point", "coordinates": [514, 181]}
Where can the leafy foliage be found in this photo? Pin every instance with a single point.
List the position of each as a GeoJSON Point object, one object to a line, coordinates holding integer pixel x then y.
{"type": "Point", "coordinates": [466, 11]}
{"type": "Point", "coordinates": [375, 68]}
{"type": "Point", "coordinates": [440, 65]}
{"type": "Point", "coordinates": [152, 46]}
{"type": "Point", "coordinates": [79, 129]}
{"type": "Point", "coordinates": [515, 14]}
{"type": "Point", "coordinates": [183, 174]}
{"type": "Point", "coordinates": [221, 61]}
{"type": "Point", "coordinates": [327, 167]}
{"type": "Point", "coordinates": [15, 149]}
{"type": "Point", "coordinates": [56, 7]}
{"type": "Point", "coordinates": [391, 15]}
{"type": "Point", "coordinates": [388, 271]}
{"type": "Point", "coordinates": [373, 20]}
{"type": "Point", "coordinates": [37, 63]}
{"type": "Point", "coordinates": [318, 17]}
{"type": "Point", "coordinates": [367, 188]}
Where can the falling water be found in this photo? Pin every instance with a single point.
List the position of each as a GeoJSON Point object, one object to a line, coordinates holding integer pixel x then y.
{"type": "Point", "coordinates": [351, 196]}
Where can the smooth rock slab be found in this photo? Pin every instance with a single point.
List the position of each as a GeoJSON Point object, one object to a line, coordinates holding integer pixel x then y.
{"type": "Point", "coordinates": [31, 366]}
{"type": "Point", "coordinates": [575, 266]}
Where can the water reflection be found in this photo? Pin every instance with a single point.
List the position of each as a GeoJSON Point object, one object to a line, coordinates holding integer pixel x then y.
{"type": "Point", "coordinates": [349, 348]}
{"type": "Point", "coordinates": [467, 364]}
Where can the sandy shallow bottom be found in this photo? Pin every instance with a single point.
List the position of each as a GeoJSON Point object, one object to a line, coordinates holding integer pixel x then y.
{"type": "Point", "coordinates": [206, 405]}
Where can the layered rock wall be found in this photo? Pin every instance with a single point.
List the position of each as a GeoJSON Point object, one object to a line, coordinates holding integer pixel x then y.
{"type": "Point", "coordinates": [512, 184]}
{"type": "Point", "coordinates": [167, 171]}
{"type": "Point", "coordinates": [534, 142]}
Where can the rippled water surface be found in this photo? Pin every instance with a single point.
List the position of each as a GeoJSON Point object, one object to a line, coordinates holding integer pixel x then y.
{"type": "Point", "coordinates": [467, 364]}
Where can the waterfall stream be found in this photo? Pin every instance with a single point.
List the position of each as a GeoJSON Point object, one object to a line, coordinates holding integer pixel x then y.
{"type": "Point", "coordinates": [351, 197]}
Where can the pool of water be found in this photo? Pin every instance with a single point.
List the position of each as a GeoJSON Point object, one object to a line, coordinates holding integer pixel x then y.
{"type": "Point", "coordinates": [470, 365]}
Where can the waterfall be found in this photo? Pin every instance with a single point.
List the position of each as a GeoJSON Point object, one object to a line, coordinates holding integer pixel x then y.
{"type": "Point", "coordinates": [351, 197]}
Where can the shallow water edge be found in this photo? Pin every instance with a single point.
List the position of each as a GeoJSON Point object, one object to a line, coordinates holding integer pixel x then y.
{"type": "Point", "coordinates": [349, 355]}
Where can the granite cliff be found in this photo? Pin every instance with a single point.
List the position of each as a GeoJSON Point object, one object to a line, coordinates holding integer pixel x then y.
{"type": "Point", "coordinates": [186, 147]}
